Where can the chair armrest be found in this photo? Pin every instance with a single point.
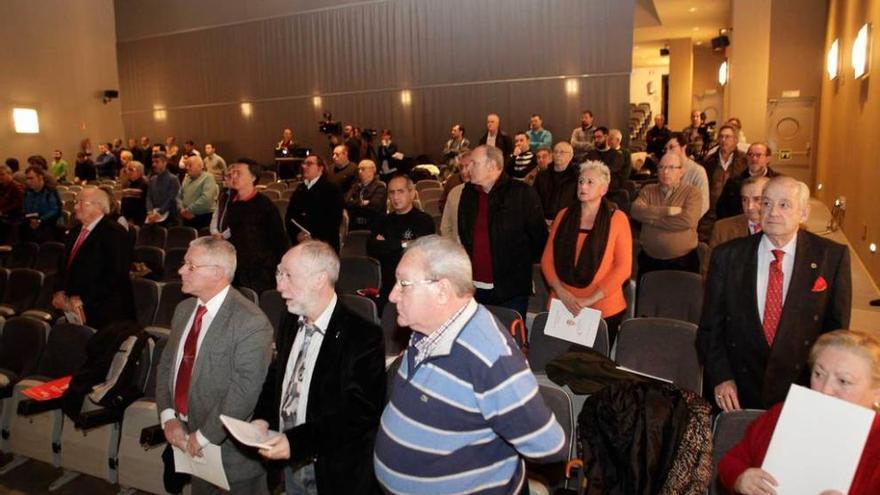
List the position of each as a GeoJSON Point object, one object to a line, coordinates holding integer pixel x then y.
{"type": "Point", "coordinates": [152, 436]}
{"type": "Point", "coordinates": [99, 417]}
{"type": "Point", "coordinates": [38, 314]}
{"type": "Point", "coordinates": [7, 311]}
{"type": "Point", "coordinates": [30, 407]}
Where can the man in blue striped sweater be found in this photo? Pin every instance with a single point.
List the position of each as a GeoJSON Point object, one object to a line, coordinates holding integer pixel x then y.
{"type": "Point", "coordinates": [465, 408]}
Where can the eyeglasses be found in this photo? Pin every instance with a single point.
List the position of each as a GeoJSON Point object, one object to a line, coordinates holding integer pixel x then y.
{"type": "Point", "coordinates": [83, 202]}
{"type": "Point", "coordinates": [191, 267]}
{"type": "Point", "coordinates": [562, 152]}
{"type": "Point", "coordinates": [666, 168]}
{"type": "Point", "coordinates": [755, 155]}
{"type": "Point", "coordinates": [404, 284]}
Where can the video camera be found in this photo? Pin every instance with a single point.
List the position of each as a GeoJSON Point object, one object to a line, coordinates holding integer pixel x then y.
{"type": "Point", "coordinates": [369, 134]}
{"type": "Point", "coordinates": [329, 126]}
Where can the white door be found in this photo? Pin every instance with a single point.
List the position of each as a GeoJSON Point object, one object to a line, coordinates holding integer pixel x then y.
{"type": "Point", "coordinates": [790, 135]}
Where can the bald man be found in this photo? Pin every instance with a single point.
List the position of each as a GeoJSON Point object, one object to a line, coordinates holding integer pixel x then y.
{"type": "Point", "coordinates": [94, 281]}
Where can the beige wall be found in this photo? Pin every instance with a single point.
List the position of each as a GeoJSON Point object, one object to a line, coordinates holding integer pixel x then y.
{"type": "Point", "coordinates": [638, 87]}
{"type": "Point", "coordinates": [797, 40]}
{"type": "Point", "coordinates": [748, 60]}
{"type": "Point", "coordinates": [708, 94]}
{"type": "Point", "coordinates": [681, 80]}
{"type": "Point", "coordinates": [848, 130]}
{"type": "Point", "coordinates": [58, 57]}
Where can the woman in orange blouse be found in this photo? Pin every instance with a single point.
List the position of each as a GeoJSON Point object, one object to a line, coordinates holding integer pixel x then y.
{"type": "Point", "coordinates": [588, 256]}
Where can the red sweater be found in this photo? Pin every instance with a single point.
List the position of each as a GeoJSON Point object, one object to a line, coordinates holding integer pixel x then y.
{"type": "Point", "coordinates": [750, 452]}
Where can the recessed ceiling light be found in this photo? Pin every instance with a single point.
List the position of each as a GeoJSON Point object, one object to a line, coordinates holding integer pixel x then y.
{"type": "Point", "coordinates": [692, 9]}
{"type": "Point", "coordinates": [696, 28]}
{"type": "Point", "coordinates": [698, 43]}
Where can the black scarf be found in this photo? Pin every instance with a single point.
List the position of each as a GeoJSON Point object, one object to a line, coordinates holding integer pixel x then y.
{"type": "Point", "coordinates": [592, 251]}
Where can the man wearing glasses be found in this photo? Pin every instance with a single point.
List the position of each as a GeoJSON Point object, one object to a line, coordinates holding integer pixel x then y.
{"type": "Point", "coordinates": [94, 282]}
{"type": "Point", "coordinates": [465, 410]}
{"type": "Point", "coordinates": [758, 165]}
{"type": "Point", "coordinates": [669, 212]}
{"type": "Point", "coordinates": [557, 184]}
{"type": "Point", "coordinates": [725, 163]}
{"type": "Point", "coordinates": [328, 386]}
{"type": "Point", "coordinates": [214, 363]}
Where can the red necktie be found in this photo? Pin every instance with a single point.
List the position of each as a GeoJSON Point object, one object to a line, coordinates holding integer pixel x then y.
{"type": "Point", "coordinates": [773, 302]}
{"type": "Point", "coordinates": [756, 229]}
{"type": "Point", "coordinates": [76, 245]}
{"type": "Point", "coordinates": [184, 372]}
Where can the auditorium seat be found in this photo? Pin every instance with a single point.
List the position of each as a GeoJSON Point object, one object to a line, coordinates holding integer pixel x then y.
{"type": "Point", "coordinates": [90, 440]}
{"type": "Point", "coordinates": [35, 427]}
{"type": "Point", "coordinates": [146, 296]}
{"type": "Point", "coordinates": [428, 184]}
{"type": "Point", "coordinates": [396, 337]}
{"type": "Point", "coordinates": [671, 294]}
{"type": "Point", "coordinates": [152, 235]}
{"type": "Point", "coordinates": [173, 262]}
{"type": "Point", "coordinates": [661, 347]}
{"type": "Point", "coordinates": [274, 306]}
{"type": "Point", "coordinates": [272, 194]}
{"type": "Point", "coordinates": [358, 272]}
{"type": "Point", "coordinates": [431, 206]}
{"type": "Point", "coordinates": [506, 318]}
{"type": "Point", "coordinates": [140, 466]}
{"type": "Point", "coordinates": [361, 306]}
{"type": "Point", "coordinates": [277, 186]}
{"type": "Point", "coordinates": [430, 194]}
{"type": "Point", "coordinates": [281, 205]}
{"type": "Point", "coordinates": [250, 294]}
{"type": "Point", "coordinates": [169, 297]}
{"type": "Point", "coordinates": [538, 300]}
{"type": "Point", "coordinates": [50, 259]}
{"type": "Point", "coordinates": [544, 348]}
{"type": "Point", "coordinates": [22, 290]}
{"type": "Point", "coordinates": [728, 431]}
{"type": "Point", "coordinates": [21, 344]}
{"type": "Point", "coordinates": [180, 237]}
{"type": "Point", "coordinates": [23, 255]}
{"type": "Point", "coordinates": [154, 259]}
{"type": "Point", "coordinates": [355, 243]}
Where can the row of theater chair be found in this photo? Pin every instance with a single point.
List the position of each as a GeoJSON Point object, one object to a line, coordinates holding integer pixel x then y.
{"type": "Point", "coordinates": [32, 354]}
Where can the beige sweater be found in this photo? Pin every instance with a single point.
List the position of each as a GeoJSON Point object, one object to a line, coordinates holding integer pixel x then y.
{"type": "Point", "coordinates": [665, 236]}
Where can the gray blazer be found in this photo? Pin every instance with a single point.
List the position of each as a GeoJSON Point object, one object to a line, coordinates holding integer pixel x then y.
{"type": "Point", "coordinates": [227, 378]}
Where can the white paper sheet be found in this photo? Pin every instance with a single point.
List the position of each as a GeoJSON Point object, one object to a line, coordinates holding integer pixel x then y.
{"type": "Point", "coordinates": [564, 325]}
{"type": "Point", "coordinates": [817, 443]}
{"type": "Point", "coordinates": [247, 433]}
{"type": "Point", "coordinates": [300, 227]}
{"type": "Point", "coordinates": [209, 467]}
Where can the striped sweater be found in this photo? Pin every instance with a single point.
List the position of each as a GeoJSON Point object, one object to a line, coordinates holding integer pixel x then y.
{"type": "Point", "coordinates": [461, 420]}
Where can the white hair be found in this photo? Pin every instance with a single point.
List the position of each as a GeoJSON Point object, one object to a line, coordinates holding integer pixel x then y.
{"type": "Point", "coordinates": [443, 258]}
{"type": "Point", "coordinates": [599, 168]}
{"type": "Point", "coordinates": [320, 257]}
{"type": "Point", "coordinates": [220, 251]}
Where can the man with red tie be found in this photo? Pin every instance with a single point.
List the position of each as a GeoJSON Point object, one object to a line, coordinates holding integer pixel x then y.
{"type": "Point", "coordinates": [214, 363]}
{"type": "Point", "coordinates": [93, 282]}
{"type": "Point", "coordinates": [768, 298]}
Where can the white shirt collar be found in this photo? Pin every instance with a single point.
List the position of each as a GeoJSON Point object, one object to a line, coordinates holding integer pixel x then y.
{"type": "Point", "coordinates": [323, 320]}
{"type": "Point", "coordinates": [310, 183]}
{"type": "Point", "coordinates": [788, 248]}
{"type": "Point", "coordinates": [91, 226]}
{"type": "Point", "coordinates": [213, 304]}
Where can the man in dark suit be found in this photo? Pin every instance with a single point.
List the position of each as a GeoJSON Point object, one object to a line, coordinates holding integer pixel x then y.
{"type": "Point", "coordinates": [94, 282]}
{"type": "Point", "coordinates": [316, 205]}
{"type": "Point", "coordinates": [768, 298]}
{"type": "Point", "coordinates": [329, 382]}
{"type": "Point", "coordinates": [758, 163]}
{"type": "Point", "coordinates": [747, 223]}
{"type": "Point", "coordinates": [722, 165]}
{"type": "Point", "coordinates": [215, 363]}
{"type": "Point", "coordinates": [494, 136]}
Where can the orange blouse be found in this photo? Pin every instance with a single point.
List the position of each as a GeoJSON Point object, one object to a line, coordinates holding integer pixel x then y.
{"type": "Point", "coordinates": [614, 270]}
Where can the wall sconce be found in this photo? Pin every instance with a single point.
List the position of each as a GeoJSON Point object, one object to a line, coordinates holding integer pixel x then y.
{"type": "Point", "coordinates": [26, 120]}
{"type": "Point", "coordinates": [405, 97]}
{"type": "Point", "coordinates": [723, 73]}
{"type": "Point", "coordinates": [316, 102]}
{"type": "Point", "coordinates": [247, 110]}
{"type": "Point", "coordinates": [832, 61]}
{"type": "Point", "coordinates": [572, 86]}
{"type": "Point", "coordinates": [860, 52]}
{"type": "Point", "coordinates": [159, 114]}
{"type": "Point", "coordinates": [872, 247]}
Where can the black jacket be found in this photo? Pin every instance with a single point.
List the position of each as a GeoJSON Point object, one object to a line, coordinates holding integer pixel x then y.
{"type": "Point", "coordinates": [730, 202]}
{"type": "Point", "coordinates": [318, 209]}
{"type": "Point", "coordinates": [517, 233]}
{"type": "Point", "coordinates": [503, 142]}
{"type": "Point", "coordinates": [557, 190]}
{"type": "Point", "coordinates": [731, 337]}
{"type": "Point", "coordinates": [98, 274]}
{"type": "Point", "coordinates": [346, 399]}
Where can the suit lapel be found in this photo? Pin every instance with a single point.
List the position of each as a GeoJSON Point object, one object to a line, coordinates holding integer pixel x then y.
{"type": "Point", "coordinates": [216, 337]}
{"type": "Point", "coordinates": [750, 279]}
{"type": "Point", "coordinates": [177, 330]}
{"type": "Point", "coordinates": [328, 356]}
{"type": "Point", "coordinates": [803, 273]}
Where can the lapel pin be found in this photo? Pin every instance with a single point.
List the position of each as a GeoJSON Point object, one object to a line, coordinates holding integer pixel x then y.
{"type": "Point", "coordinates": [813, 266]}
{"type": "Point", "coordinates": [424, 398]}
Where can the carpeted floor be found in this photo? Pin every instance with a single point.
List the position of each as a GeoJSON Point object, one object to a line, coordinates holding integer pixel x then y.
{"type": "Point", "coordinates": [34, 477]}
